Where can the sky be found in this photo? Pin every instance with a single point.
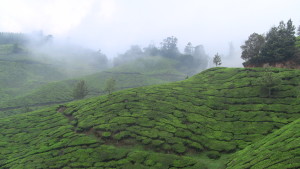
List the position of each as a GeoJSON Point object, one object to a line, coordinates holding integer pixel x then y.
{"type": "Point", "coordinates": [114, 25]}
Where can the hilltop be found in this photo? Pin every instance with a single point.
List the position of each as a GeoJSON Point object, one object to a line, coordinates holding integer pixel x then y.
{"type": "Point", "coordinates": [200, 122]}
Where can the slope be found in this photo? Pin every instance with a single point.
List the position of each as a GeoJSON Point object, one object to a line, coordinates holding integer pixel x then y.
{"type": "Point", "coordinates": [47, 139]}
{"type": "Point", "coordinates": [196, 123]}
{"type": "Point", "coordinates": [19, 73]}
{"type": "Point", "coordinates": [219, 110]}
{"type": "Point", "coordinates": [142, 72]}
{"type": "Point", "coordinates": [280, 149]}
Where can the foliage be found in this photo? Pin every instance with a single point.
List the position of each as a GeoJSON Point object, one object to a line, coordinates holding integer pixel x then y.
{"type": "Point", "coordinates": [280, 43]}
{"type": "Point", "coordinates": [298, 31]}
{"type": "Point", "coordinates": [80, 90]}
{"type": "Point", "coordinates": [189, 49]}
{"type": "Point", "coordinates": [252, 47]}
{"type": "Point", "coordinates": [169, 47]}
{"type": "Point", "coordinates": [192, 61]}
{"type": "Point", "coordinates": [100, 60]}
{"type": "Point", "coordinates": [268, 81]}
{"type": "Point", "coordinates": [277, 46]}
{"type": "Point", "coordinates": [217, 60]}
{"type": "Point", "coordinates": [151, 50]}
{"type": "Point", "coordinates": [133, 53]}
{"type": "Point", "coordinates": [110, 85]}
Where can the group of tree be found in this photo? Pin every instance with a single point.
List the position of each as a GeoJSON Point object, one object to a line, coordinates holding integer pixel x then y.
{"type": "Point", "coordinates": [278, 45]}
{"type": "Point", "coordinates": [193, 59]}
{"type": "Point", "coordinates": [97, 59]}
{"type": "Point", "coordinates": [22, 38]}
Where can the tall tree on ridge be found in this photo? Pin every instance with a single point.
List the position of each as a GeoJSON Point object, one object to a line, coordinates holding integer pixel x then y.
{"type": "Point", "coordinates": [217, 60]}
{"type": "Point", "coordinates": [252, 47]}
{"type": "Point", "coordinates": [169, 47]}
{"type": "Point", "coordinates": [280, 43]}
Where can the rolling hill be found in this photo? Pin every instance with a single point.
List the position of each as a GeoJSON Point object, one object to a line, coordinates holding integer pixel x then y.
{"type": "Point", "coordinates": [207, 121]}
{"type": "Point", "coordinates": [29, 83]}
{"type": "Point", "coordinates": [19, 73]}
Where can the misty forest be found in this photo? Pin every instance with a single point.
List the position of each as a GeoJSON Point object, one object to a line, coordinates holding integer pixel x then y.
{"type": "Point", "coordinates": [176, 102]}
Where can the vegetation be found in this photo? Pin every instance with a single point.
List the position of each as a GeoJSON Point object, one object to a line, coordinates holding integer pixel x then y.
{"type": "Point", "coordinates": [217, 60]}
{"type": "Point", "coordinates": [277, 46]}
{"type": "Point", "coordinates": [280, 43]}
{"type": "Point", "coordinates": [219, 118]}
{"type": "Point", "coordinates": [192, 61]}
{"type": "Point", "coordinates": [268, 81]}
{"type": "Point", "coordinates": [196, 123]}
{"type": "Point", "coordinates": [110, 85]}
{"type": "Point", "coordinates": [142, 72]}
{"type": "Point", "coordinates": [277, 150]}
{"type": "Point", "coordinates": [169, 47]}
{"type": "Point", "coordinates": [252, 47]}
{"type": "Point", "coordinates": [80, 90]}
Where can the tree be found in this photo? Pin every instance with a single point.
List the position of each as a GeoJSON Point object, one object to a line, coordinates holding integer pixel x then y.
{"type": "Point", "coordinates": [189, 49]}
{"type": "Point", "coordinates": [268, 81]}
{"type": "Point", "coordinates": [131, 54]}
{"type": "Point", "coordinates": [280, 43]}
{"type": "Point", "coordinates": [169, 47]}
{"type": "Point", "coordinates": [252, 47]}
{"type": "Point", "coordinates": [80, 90]}
{"type": "Point", "coordinates": [110, 85]}
{"type": "Point", "coordinates": [151, 50]}
{"type": "Point", "coordinates": [298, 31]}
{"type": "Point", "coordinates": [100, 59]}
{"type": "Point", "coordinates": [217, 60]}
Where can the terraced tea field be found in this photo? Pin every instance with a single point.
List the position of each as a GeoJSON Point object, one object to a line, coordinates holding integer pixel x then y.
{"type": "Point", "coordinates": [219, 118]}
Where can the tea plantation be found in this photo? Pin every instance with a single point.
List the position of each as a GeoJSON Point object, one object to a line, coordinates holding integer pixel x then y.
{"type": "Point", "coordinates": [142, 72]}
{"type": "Point", "coordinates": [278, 150]}
{"type": "Point", "coordinates": [219, 118]}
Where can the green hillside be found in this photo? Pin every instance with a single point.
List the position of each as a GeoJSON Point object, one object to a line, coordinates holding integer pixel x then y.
{"type": "Point", "coordinates": [19, 73]}
{"type": "Point", "coordinates": [142, 72]}
{"type": "Point", "coordinates": [277, 150]}
{"type": "Point", "coordinates": [195, 123]}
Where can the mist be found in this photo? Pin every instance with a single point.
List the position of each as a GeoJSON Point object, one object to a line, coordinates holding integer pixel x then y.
{"type": "Point", "coordinates": [113, 26]}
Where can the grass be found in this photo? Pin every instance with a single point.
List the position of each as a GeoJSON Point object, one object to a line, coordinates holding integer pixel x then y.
{"type": "Point", "coordinates": [200, 122]}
